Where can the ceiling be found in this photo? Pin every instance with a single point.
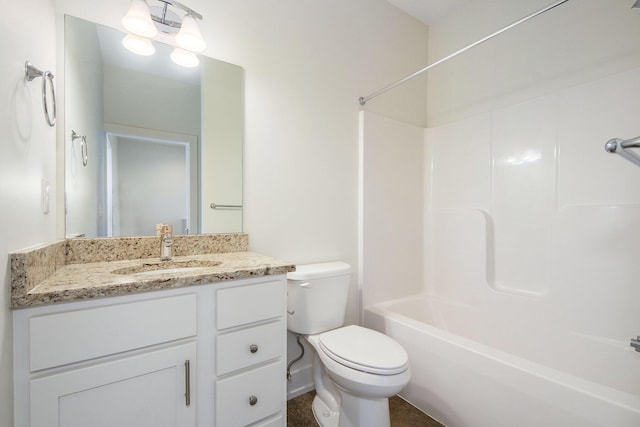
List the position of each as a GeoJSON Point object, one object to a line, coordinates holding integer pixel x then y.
{"type": "Point", "coordinates": [428, 11]}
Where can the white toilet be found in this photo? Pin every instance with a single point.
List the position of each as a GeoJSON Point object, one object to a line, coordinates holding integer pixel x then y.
{"type": "Point", "coordinates": [355, 370]}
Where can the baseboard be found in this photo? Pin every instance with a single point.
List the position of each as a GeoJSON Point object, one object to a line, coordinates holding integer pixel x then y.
{"type": "Point", "coordinates": [301, 381]}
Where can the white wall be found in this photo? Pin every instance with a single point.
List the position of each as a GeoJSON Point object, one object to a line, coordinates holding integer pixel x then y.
{"type": "Point", "coordinates": [28, 154]}
{"type": "Point", "coordinates": [577, 42]}
{"type": "Point", "coordinates": [392, 194]}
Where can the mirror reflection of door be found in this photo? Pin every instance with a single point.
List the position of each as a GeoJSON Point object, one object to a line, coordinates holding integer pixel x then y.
{"type": "Point", "coordinates": [147, 183]}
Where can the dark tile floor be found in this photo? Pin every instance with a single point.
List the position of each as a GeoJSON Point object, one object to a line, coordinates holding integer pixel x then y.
{"type": "Point", "coordinates": [299, 413]}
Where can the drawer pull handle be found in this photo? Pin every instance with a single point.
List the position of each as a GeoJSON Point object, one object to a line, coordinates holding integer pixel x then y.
{"type": "Point", "coordinates": [253, 400]}
{"type": "Point", "coordinates": [253, 348]}
{"type": "Point", "coordinates": [187, 375]}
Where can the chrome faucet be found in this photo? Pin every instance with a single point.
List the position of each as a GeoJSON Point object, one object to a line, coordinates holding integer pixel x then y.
{"type": "Point", "coordinates": [635, 343]}
{"type": "Point", "coordinates": [165, 242]}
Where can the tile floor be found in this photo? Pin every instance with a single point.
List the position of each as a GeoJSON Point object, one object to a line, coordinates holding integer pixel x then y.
{"type": "Point", "coordinates": [299, 413]}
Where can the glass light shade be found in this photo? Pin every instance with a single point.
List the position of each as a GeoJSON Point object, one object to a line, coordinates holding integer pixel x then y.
{"type": "Point", "coordinates": [184, 58]}
{"type": "Point", "coordinates": [138, 19]}
{"type": "Point", "coordinates": [189, 37]}
{"type": "Point", "coordinates": [139, 45]}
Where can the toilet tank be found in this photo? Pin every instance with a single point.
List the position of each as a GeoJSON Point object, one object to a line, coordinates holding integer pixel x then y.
{"type": "Point", "coordinates": [317, 297]}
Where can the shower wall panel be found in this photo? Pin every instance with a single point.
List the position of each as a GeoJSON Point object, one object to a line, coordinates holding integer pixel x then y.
{"type": "Point", "coordinates": [524, 203]}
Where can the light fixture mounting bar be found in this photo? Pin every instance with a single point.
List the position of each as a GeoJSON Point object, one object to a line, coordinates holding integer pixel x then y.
{"type": "Point", "coordinates": [183, 7]}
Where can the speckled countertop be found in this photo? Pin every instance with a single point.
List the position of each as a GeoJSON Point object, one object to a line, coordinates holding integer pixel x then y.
{"type": "Point", "coordinates": [56, 273]}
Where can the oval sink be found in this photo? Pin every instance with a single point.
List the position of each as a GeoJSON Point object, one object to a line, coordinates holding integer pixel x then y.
{"type": "Point", "coordinates": [167, 267]}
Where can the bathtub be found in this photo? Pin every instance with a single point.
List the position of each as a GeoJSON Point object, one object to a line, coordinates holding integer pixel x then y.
{"type": "Point", "coordinates": [474, 368]}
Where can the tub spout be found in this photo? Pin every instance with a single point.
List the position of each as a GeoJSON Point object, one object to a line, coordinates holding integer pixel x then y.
{"type": "Point", "coordinates": [635, 343]}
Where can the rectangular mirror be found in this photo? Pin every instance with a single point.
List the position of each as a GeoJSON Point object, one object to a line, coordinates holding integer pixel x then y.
{"type": "Point", "coordinates": [154, 142]}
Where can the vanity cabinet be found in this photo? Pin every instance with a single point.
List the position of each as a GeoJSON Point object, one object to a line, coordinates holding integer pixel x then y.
{"type": "Point", "coordinates": [207, 355]}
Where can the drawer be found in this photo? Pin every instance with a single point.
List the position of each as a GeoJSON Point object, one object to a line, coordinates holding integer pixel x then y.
{"type": "Point", "coordinates": [233, 396]}
{"type": "Point", "coordinates": [72, 336]}
{"type": "Point", "coordinates": [247, 304]}
{"type": "Point", "coordinates": [234, 350]}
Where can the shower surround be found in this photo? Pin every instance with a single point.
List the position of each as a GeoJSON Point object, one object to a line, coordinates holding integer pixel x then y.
{"type": "Point", "coordinates": [530, 249]}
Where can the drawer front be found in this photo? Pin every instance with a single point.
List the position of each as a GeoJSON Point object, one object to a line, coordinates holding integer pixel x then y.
{"type": "Point", "coordinates": [62, 338]}
{"type": "Point", "coordinates": [234, 396]}
{"type": "Point", "coordinates": [246, 304]}
{"type": "Point", "coordinates": [241, 349]}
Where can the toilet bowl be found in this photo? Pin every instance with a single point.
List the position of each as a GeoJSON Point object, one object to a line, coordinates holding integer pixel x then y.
{"type": "Point", "coordinates": [355, 369]}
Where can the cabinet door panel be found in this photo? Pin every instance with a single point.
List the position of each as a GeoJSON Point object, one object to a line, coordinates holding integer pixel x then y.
{"type": "Point", "coordinates": [139, 391]}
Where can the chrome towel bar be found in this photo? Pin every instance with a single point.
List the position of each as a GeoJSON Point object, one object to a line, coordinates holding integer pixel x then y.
{"type": "Point", "coordinates": [215, 206]}
{"type": "Point", "coordinates": [30, 73]}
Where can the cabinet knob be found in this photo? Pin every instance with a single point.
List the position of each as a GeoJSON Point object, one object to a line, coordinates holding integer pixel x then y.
{"type": "Point", "coordinates": [253, 400]}
{"type": "Point", "coordinates": [253, 348]}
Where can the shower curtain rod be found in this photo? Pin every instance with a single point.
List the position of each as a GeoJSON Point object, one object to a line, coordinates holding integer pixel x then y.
{"type": "Point", "coordinates": [364, 99]}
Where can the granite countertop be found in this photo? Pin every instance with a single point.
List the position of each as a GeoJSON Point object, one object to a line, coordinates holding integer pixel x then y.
{"type": "Point", "coordinates": [68, 282]}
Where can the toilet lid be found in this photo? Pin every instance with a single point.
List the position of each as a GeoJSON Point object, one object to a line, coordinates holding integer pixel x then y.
{"type": "Point", "coordinates": [365, 350]}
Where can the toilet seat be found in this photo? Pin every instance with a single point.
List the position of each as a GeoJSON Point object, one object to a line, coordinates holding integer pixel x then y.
{"type": "Point", "coordinates": [365, 350]}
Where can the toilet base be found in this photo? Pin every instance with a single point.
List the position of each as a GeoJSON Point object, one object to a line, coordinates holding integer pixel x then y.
{"type": "Point", "coordinates": [324, 416]}
{"type": "Point", "coordinates": [354, 412]}
{"type": "Point", "coordinates": [357, 411]}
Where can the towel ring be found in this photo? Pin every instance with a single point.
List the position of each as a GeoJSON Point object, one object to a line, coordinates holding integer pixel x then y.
{"type": "Point", "coordinates": [84, 149]}
{"type": "Point", "coordinates": [31, 73]}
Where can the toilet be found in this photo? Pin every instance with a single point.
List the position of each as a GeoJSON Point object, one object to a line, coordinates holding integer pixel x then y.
{"type": "Point", "coordinates": [355, 369]}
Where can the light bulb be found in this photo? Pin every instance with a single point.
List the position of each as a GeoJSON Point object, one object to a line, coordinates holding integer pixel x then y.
{"type": "Point", "coordinates": [138, 19]}
{"type": "Point", "coordinates": [189, 36]}
{"type": "Point", "coordinates": [138, 45]}
{"type": "Point", "coordinates": [184, 58]}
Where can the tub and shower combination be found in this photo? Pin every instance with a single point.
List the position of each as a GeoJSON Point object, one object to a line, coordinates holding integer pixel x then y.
{"type": "Point", "coordinates": [474, 368]}
{"type": "Point", "coordinates": [501, 251]}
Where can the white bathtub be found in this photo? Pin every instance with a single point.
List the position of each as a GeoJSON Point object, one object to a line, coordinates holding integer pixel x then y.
{"type": "Point", "coordinates": [474, 368]}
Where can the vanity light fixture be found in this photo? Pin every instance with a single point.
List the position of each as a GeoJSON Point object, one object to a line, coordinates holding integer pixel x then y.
{"type": "Point", "coordinates": [139, 45]}
{"type": "Point", "coordinates": [184, 32]}
{"type": "Point", "coordinates": [138, 19]}
{"type": "Point", "coordinates": [184, 58]}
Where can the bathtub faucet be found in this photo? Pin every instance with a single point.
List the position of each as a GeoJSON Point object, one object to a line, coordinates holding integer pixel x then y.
{"type": "Point", "coordinates": [635, 343]}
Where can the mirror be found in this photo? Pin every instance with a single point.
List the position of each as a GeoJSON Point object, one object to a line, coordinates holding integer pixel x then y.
{"type": "Point", "coordinates": [153, 142]}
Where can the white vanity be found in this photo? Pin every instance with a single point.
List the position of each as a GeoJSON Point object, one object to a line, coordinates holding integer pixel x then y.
{"type": "Point", "coordinates": [211, 354]}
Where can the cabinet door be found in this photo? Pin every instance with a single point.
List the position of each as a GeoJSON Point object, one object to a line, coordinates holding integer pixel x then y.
{"type": "Point", "coordinates": [146, 390]}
